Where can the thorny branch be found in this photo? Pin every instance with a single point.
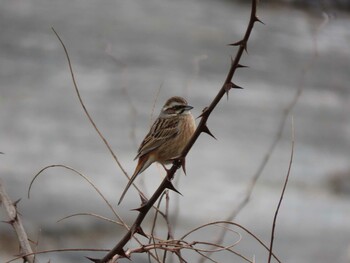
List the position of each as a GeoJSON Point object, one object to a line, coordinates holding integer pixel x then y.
{"type": "Point", "coordinates": [16, 223]}
{"type": "Point", "coordinates": [202, 127]}
{"type": "Point", "coordinates": [286, 112]}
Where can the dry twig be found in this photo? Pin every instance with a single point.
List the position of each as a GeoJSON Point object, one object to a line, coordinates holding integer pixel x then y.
{"type": "Point", "coordinates": [282, 194]}
{"type": "Point", "coordinates": [16, 222]}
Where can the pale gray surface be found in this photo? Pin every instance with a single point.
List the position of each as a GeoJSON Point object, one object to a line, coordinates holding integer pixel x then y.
{"type": "Point", "coordinates": [157, 43]}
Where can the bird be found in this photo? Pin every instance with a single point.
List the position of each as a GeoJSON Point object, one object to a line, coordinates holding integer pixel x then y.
{"type": "Point", "coordinates": [166, 138]}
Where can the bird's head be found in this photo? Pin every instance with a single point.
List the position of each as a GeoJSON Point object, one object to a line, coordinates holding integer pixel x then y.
{"type": "Point", "coordinates": [175, 106]}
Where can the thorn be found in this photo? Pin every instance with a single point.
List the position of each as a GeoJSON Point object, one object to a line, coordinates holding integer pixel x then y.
{"type": "Point", "coordinates": [144, 200]}
{"type": "Point", "coordinates": [140, 231]}
{"type": "Point", "coordinates": [207, 131]}
{"type": "Point", "coordinates": [238, 65]}
{"type": "Point", "coordinates": [183, 164]}
{"type": "Point", "coordinates": [16, 202]}
{"type": "Point", "coordinates": [203, 112]}
{"type": "Point", "coordinates": [256, 19]}
{"type": "Point", "coordinates": [241, 43]}
{"type": "Point", "coordinates": [140, 209]}
{"type": "Point", "coordinates": [227, 88]}
{"type": "Point", "coordinates": [94, 259]}
{"type": "Point", "coordinates": [180, 162]}
{"type": "Point", "coordinates": [234, 86]}
{"type": "Point", "coordinates": [231, 85]}
{"type": "Point", "coordinates": [1, 153]}
{"type": "Point", "coordinates": [170, 186]}
{"type": "Point", "coordinates": [238, 43]}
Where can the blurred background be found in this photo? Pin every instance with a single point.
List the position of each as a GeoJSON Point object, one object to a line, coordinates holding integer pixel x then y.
{"type": "Point", "coordinates": [128, 58]}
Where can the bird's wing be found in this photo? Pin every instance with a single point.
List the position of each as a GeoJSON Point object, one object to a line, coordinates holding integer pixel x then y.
{"type": "Point", "coordinates": [161, 131]}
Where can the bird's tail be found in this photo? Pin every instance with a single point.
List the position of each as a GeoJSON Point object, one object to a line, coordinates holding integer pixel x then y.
{"type": "Point", "coordinates": [142, 164]}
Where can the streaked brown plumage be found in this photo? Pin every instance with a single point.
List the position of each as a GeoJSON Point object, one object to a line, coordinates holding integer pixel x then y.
{"type": "Point", "coordinates": [167, 137]}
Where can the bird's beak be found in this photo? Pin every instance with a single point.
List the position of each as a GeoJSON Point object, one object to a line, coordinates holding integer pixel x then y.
{"type": "Point", "coordinates": [188, 108]}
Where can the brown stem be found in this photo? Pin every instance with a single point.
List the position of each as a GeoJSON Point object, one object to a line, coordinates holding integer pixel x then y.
{"type": "Point", "coordinates": [16, 223]}
{"type": "Point", "coordinates": [282, 195]}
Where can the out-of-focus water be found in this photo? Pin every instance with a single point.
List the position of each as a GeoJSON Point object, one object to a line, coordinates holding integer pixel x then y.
{"type": "Point", "coordinates": [122, 53]}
